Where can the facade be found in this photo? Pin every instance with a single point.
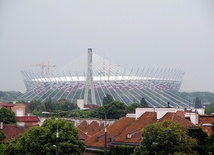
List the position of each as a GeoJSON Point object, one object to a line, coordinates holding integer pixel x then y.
{"type": "Point", "coordinates": [92, 77]}
{"type": "Point", "coordinates": [192, 114]}
{"type": "Point", "coordinates": [19, 109]}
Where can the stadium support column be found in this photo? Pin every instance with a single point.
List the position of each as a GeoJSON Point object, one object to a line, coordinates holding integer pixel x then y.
{"type": "Point", "coordinates": [89, 84]}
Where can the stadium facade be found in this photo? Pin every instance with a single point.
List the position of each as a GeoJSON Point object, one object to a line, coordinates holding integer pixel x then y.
{"type": "Point", "coordinates": [91, 77]}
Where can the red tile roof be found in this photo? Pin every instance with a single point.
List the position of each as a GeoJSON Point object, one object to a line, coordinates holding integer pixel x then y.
{"type": "Point", "coordinates": [204, 121]}
{"type": "Point", "coordinates": [113, 131]}
{"type": "Point", "coordinates": [12, 131]}
{"type": "Point", "coordinates": [132, 134]}
{"type": "Point", "coordinates": [91, 106]}
{"type": "Point", "coordinates": [82, 135]}
{"type": "Point", "coordinates": [129, 131]}
{"type": "Point", "coordinates": [27, 118]}
{"type": "Point", "coordinates": [83, 126]}
{"type": "Point", "coordinates": [176, 118]}
{"type": "Point", "coordinates": [6, 105]}
{"type": "Point", "coordinates": [180, 113]}
{"type": "Point", "coordinates": [93, 128]}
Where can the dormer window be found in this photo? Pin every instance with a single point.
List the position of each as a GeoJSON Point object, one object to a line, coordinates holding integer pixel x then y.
{"type": "Point", "coordinates": [131, 134]}
{"type": "Point", "coordinates": [99, 138]}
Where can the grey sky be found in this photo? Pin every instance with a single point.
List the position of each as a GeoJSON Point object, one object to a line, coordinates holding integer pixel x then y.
{"type": "Point", "coordinates": [139, 33]}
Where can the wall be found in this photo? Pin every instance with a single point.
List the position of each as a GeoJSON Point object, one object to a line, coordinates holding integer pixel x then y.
{"type": "Point", "coordinates": [19, 109]}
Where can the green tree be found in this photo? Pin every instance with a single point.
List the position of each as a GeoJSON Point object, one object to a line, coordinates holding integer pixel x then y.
{"type": "Point", "coordinates": [83, 114]}
{"type": "Point", "coordinates": [121, 150]}
{"type": "Point", "coordinates": [165, 138]}
{"type": "Point", "coordinates": [7, 116]}
{"type": "Point", "coordinates": [210, 108]}
{"type": "Point", "coordinates": [198, 103]}
{"type": "Point", "coordinates": [2, 146]}
{"type": "Point", "coordinates": [114, 110]}
{"type": "Point", "coordinates": [133, 106]}
{"type": "Point", "coordinates": [143, 103]}
{"type": "Point", "coordinates": [32, 106]}
{"type": "Point", "coordinates": [41, 140]}
{"type": "Point", "coordinates": [49, 105]}
{"type": "Point", "coordinates": [201, 138]}
{"type": "Point", "coordinates": [66, 106]}
{"type": "Point", "coordinates": [107, 99]}
{"type": "Point", "coordinates": [210, 145]}
{"type": "Point", "coordinates": [2, 136]}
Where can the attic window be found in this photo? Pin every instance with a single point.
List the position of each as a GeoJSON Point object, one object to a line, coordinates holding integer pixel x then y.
{"type": "Point", "coordinates": [99, 138]}
{"type": "Point", "coordinates": [131, 134]}
{"type": "Point", "coordinates": [111, 139]}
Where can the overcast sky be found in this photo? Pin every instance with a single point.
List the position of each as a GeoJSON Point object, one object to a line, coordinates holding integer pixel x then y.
{"type": "Point", "coordinates": [133, 33]}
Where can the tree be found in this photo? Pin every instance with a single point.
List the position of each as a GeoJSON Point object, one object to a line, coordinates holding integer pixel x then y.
{"type": "Point", "coordinates": [2, 136]}
{"type": "Point", "coordinates": [33, 105]}
{"type": "Point", "coordinates": [210, 145]}
{"type": "Point", "coordinates": [66, 106]}
{"type": "Point", "coordinates": [2, 146]}
{"type": "Point", "coordinates": [210, 108]}
{"type": "Point", "coordinates": [114, 110]}
{"type": "Point", "coordinates": [201, 138]}
{"type": "Point", "coordinates": [49, 105]}
{"type": "Point", "coordinates": [133, 106]}
{"type": "Point", "coordinates": [198, 103]}
{"type": "Point", "coordinates": [143, 103]}
{"type": "Point", "coordinates": [7, 116]}
{"type": "Point", "coordinates": [107, 99]}
{"type": "Point", "coordinates": [165, 138]}
{"type": "Point", "coordinates": [41, 140]}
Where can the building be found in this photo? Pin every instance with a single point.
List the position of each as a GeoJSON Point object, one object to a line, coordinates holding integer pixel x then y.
{"type": "Point", "coordinates": [192, 114]}
{"type": "Point", "coordinates": [6, 105]}
{"type": "Point", "coordinates": [206, 123]}
{"type": "Point", "coordinates": [23, 121]}
{"type": "Point", "coordinates": [91, 77]}
{"type": "Point", "coordinates": [127, 131]}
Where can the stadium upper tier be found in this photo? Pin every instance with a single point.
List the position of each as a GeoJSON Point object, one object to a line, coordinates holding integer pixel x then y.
{"type": "Point", "coordinates": [102, 77]}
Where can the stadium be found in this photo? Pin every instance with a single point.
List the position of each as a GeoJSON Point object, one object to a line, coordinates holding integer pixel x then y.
{"type": "Point", "coordinates": [91, 77]}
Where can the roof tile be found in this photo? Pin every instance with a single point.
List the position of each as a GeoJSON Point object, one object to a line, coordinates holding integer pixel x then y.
{"type": "Point", "coordinates": [112, 132]}
{"type": "Point", "coordinates": [176, 118]}
{"type": "Point", "coordinates": [132, 134]}
{"type": "Point", "coordinates": [27, 119]}
{"type": "Point", "coordinates": [11, 131]}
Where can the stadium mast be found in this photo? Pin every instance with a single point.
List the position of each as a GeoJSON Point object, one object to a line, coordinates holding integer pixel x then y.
{"type": "Point", "coordinates": [89, 81]}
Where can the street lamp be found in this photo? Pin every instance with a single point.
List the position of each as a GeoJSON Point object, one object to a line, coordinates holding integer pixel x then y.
{"type": "Point", "coordinates": [57, 128]}
{"type": "Point", "coordinates": [105, 135]}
